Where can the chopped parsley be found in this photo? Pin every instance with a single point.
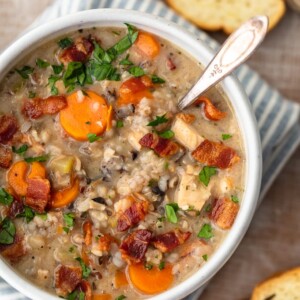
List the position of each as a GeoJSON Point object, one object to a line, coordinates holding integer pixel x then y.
{"type": "Point", "coordinates": [206, 173]}
{"type": "Point", "coordinates": [171, 210]}
{"type": "Point", "coordinates": [65, 43]}
{"type": "Point", "coordinates": [28, 214]}
{"type": "Point", "coordinates": [156, 79]}
{"type": "Point", "coordinates": [25, 71]}
{"type": "Point", "coordinates": [235, 199]}
{"type": "Point", "coordinates": [136, 71]}
{"type": "Point", "coordinates": [161, 265]}
{"type": "Point", "coordinates": [121, 297]}
{"type": "Point", "coordinates": [168, 134]}
{"type": "Point", "coordinates": [226, 136]}
{"type": "Point", "coordinates": [119, 124]}
{"type": "Point", "coordinates": [42, 64]}
{"type": "Point", "coordinates": [76, 295]}
{"type": "Point", "coordinates": [205, 232]}
{"type": "Point", "coordinates": [148, 266]}
{"type": "Point", "coordinates": [7, 232]}
{"type": "Point", "coordinates": [69, 219]}
{"type": "Point", "coordinates": [205, 257]}
{"type": "Point", "coordinates": [158, 120]}
{"type": "Point", "coordinates": [57, 69]}
{"type": "Point", "coordinates": [51, 82]}
{"type": "Point", "coordinates": [5, 197]}
{"type": "Point", "coordinates": [126, 61]}
{"type": "Point", "coordinates": [41, 158]}
{"type": "Point", "coordinates": [75, 74]}
{"type": "Point", "coordinates": [86, 271]}
{"type": "Point", "coordinates": [21, 150]}
{"type": "Point", "coordinates": [31, 94]}
{"type": "Point", "coordinates": [93, 137]}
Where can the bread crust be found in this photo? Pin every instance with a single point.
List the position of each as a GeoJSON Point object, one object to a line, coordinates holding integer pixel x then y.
{"type": "Point", "coordinates": [275, 14]}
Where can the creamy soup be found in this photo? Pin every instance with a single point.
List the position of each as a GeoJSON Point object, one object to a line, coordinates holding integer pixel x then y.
{"type": "Point", "coordinates": [108, 191]}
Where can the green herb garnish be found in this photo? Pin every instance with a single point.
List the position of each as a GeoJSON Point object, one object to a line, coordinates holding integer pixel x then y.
{"type": "Point", "coordinates": [171, 210]}
{"type": "Point", "coordinates": [65, 42]}
{"type": "Point", "coordinates": [121, 297]}
{"type": "Point", "coordinates": [57, 69]}
{"type": "Point", "coordinates": [25, 71]}
{"type": "Point", "coordinates": [156, 79]}
{"type": "Point", "coordinates": [31, 94]}
{"type": "Point", "coordinates": [126, 61]}
{"type": "Point", "coordinates": [161, 265]}
{"type": "Point", "coordinates": [205, 232]}
{"type": "Point", "coordinates": [5, 197]}
{"type": "Point", "coordinates": [28, 214]}
{"type": "Point", "coordinates": [93, 137]}
{"type": "Point", "coordinates": [168, 134]}
{"type": "Point", "coordinates": [136, 71]}
{"type": "Point", "coordinates": [43, 216]}
{"type": "Point", "coordinates": [21, 150]}
{"type": "Point", "coordinates": [74, 75]}
{"type": "Point", "coordinates": [42, 64]}
{"type": "Point", "coordinates": [69, 219]}
{"type": "Point", "coordinates": [158, 120]}
{"type": "Point", "coordinates": [148, 266]}
{"type": "Point", "coordinates": [206, 173]}
{"type": "Point", "coordinates": [235, 199]}
{"type": "Point", "coordinates": [205, 257]}
{"type": "Point", "coordinates": [51, 82]}
{"type": "Point", "coordinates": [7, 232]}
{"type": "Point", "coordinates": [226, 136]}
{"type": "Point", "coordinates": [41, 158]}
{"type": "Point", "coordinates": [86, 271]}
{"type": "Point", "coordinates": [119, 124]}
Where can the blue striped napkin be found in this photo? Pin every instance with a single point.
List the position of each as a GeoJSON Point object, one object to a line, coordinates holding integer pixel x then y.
{"type": "Point", "coordinates": [277, 118]}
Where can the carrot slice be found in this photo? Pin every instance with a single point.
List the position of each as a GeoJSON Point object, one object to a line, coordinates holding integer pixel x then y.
{"type": "Point", "coordinates": [133, 90]}
{"type": "Point", "coordinates": [85, 257]}
{"type": "Point", "coordinates": [37, 170]}
{"type": "Point", "coordinates": [84, 114]}
{"type": "Point", "coordinates": [102, 297]}
{"type": "Point", "coordinates": [87, 230]}
{"type": "Point", "coordinates": [150, 281]}
{"type": "Point", "coordinates": [109, 118]}
{"type": "Point", "coordinates": [16, 177]}
{"type": "Point", "coordinates": [120, 279]}
{"type": "Point", "coordinates": [64, 197]}
{"type": "Point", "coordinates": [147, 44]}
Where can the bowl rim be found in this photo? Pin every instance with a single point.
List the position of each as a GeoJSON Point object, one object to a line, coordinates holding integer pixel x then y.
{"type": "Point", "coordinates": [187, 41]}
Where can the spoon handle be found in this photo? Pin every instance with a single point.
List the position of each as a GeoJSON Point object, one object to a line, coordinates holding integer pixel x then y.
{"type": "Point", "coordinates": [235, 50]}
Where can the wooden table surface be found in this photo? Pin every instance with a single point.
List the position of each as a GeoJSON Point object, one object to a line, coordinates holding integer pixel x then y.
{"type": "Point", "coordinates": [271, 244]}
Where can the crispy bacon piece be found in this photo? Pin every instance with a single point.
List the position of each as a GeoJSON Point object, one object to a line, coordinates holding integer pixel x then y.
{"type": "Point", "coordinates": [85, 287]}
{"type": "Point", "coordinates": [66, 279]}
{"type": "Point", "coordinates": [210, 111]}
{"type": "Point", "coordinates": [5, 157]}
{"type": "Point", "coordinates": [166, 242]}
{"type": "Point", "coordinates": [132, 215]}
{"type": "Point", "coordinates": [224, 212]}
{"type": "Point", "coordinates": [80, 51]}
{"type": "Point", "coordinates": [37, 107]}
{"type": "Point", "coordinates": [134, 246]}
{"type": "Point", "coordinates": [215, 154]}
{"type": "Point", "coordinates": [38, 194]}
{"type": "Point", "coordinates": [14, 251]}
{"type": "Point", "coordinates": [105, 242]}
{"type": "Point", "coordinates": [187, 118]}
{"type": "Point", "coordinates": [163, 147]}
{"type": "Point", "coordinates": [8, 127]}
{"type": "Point", "coordinates": [170, 64]}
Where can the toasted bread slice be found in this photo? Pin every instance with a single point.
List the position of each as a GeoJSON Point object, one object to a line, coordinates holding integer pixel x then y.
{"type": "Point", "coordinates": [284, 286]}
{"type": "Point", "coordinates": [227, 15]}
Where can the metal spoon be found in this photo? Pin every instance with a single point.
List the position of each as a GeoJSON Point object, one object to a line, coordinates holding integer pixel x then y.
{"type": "Point", "coordinates": [235, 50]}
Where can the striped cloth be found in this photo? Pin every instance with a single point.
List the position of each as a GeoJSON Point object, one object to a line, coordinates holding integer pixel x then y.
{"type": "Point", "coordinates": [277, 118]}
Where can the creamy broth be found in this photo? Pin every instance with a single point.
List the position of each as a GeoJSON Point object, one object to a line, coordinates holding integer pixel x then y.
{"type": "Point", "coordinates": [170, 181]}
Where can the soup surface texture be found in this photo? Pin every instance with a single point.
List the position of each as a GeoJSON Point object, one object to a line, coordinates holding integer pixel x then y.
{"type": "Point", "coordinates": [108, 191]}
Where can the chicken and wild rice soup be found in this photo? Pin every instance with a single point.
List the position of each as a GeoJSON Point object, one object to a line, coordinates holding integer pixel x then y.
{"type": "Point", "coordinates": [108, 191]}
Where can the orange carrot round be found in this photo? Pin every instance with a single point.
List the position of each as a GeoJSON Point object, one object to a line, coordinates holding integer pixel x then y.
{"type": "Point", "coordinates": [110, 115]}
{"type": "Point", "coordinates": [147, 44]}
{"type": "Point", "coordinates": [84, 114]}
{"type": "Point", "coordinates": [37, 170]}
{"type": "Point", "coordinates": [64, 197]}
{"type": "Point", "coordinates": [150, 281]}
{"type": "Point", "coordinates": [120, 279]}
{"type": "Point", "coordinates": [102, 297]}
{"type": "Point", "coordinates": [16, 177]}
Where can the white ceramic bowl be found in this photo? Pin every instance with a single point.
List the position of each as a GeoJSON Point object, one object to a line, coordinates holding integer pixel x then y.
{"type": "Point", "coordinates": [189, 43]}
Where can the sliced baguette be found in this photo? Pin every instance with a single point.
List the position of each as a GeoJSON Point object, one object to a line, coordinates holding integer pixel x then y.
{"type": "Point", "coordinates": [227, 15]}
{"type": "Point", "coordinates": [284, 286]}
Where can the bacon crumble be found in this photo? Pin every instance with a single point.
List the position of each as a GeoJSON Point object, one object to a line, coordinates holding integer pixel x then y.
{"type": "Point", "coordinates": [163, 147]}
{"type": "Point", "coordinates": [166, 242]}
{"type": "Point", "coordinates": [104, 242]}
{"type": "Point", "coordinates": [8, 128]}
{"type": "Point", "coordinates": [170, 64]}
{"type": "Point", "coordinates": [66, 279]}
{"type": "Point", "coordinates": [5, 157]}
{"type": "Point", "coordinates": [224, 212]}
{"type": "Point", "coordinates": [210, 111]}
{"type": "Point", "coordinates": [37, 107]}
{"type": "Point", "coordinates": [14, 251]}
{"type": "Point", "coordinates": [135, 245]}
{"type": "Point", "coordinates": [215, 154]}
{"type": "Point", "coordinates": [132, 215]}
